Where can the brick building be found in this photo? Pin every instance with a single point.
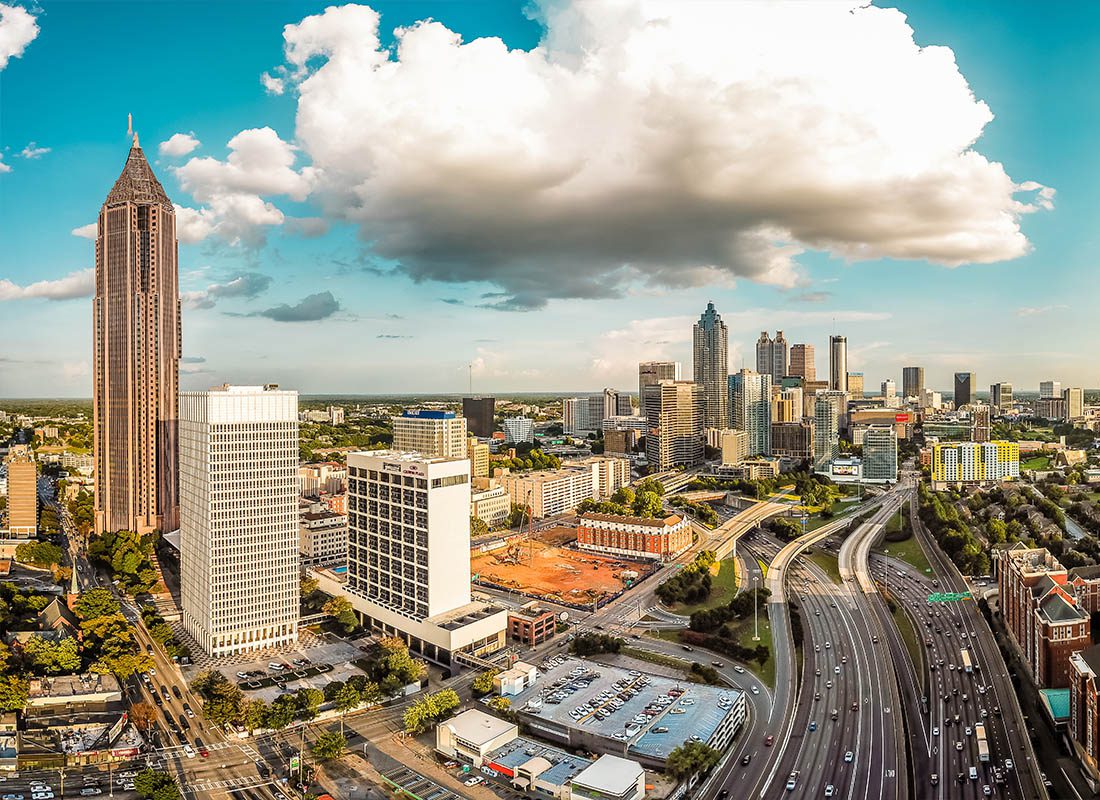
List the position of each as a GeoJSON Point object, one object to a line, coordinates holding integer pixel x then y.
{"type": "Point", "coordinates": [1084, 708]}
{"type": "Point", "coordinates": [1047, 610]}
{"type": "Point", "coordinates": [634, 537]}
{"type": "Point", "coordinates": [532, 624]}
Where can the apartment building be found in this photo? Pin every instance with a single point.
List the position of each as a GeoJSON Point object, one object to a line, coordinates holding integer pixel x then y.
{"type": "Point", "coordinates": [322, 536]}
{"type": "Point", "coordinates": [22, 492]}
{"type": "Point", "coordinates": [634, 537]}
{"type": "Point", "coordinates": [974, 463]}
{"type": "Point", "coordinates": [674, 412]}
{"type": "Point", "coordinates": [557, 491]}
{"type": "Point", "coordinates": [490, 502]}
{"type": "Point", "coordinates": [478, 454]}
{"type": "Point", "coordinates": [323, 477]}
{"type": "Point", "coordinates": [793, 441]}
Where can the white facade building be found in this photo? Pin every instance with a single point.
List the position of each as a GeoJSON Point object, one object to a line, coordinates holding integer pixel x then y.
{"type": "Point", "coordinates": [239, 517]}
{"type": "Point", "coordinates": [826, 428]}
{"type": "Point", "coordinates": [880, 454]}
{"type": "Point", "coordinates": [750, 404]}
{"type": "Point", "coordinates": [518, 429]}
{"type": "Point", "coordinates": [441, 434]}
{"type": "Point", "coordinates": [409, 554]}
{"type": "Point", "coordinates": [889, 392]}
{"type": "Point", "coordinates": [322, 536]}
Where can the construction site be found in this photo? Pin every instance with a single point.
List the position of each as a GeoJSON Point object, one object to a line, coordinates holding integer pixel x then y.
{"type": "Point", "coordinates": [542, 565]}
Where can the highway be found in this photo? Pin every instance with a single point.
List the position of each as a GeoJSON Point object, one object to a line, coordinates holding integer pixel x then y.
{"type": "Point", "coordinates": [843, 673]}
{"type": "Point", "coordinates": [945, 624]}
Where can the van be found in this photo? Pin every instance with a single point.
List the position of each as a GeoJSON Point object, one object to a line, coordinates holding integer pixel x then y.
{"type": "Point", "coordinates": [973, 773]}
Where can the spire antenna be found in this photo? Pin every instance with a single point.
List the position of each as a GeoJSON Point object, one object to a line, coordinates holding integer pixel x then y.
{"type": "Point", "coordinates": [129, 124]}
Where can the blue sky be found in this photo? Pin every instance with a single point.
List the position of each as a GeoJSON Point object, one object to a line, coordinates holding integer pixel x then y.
{"type": "Point", "coordinates": [386, 218]}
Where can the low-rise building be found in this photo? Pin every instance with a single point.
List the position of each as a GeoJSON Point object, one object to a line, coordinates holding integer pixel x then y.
{"type": "Point", "coordinates": [472, 735]}
{"type": "Point", "coordinates": [515, 679]}
{"type": "Point", "coordinates": [322, 536]}
{"type": "Point", "coordinates": [634, 537]}
{"type": "Point", "coordinates": [556, 491]}
{"type": "Point", "coordinates": [610, 778]}
{"type": "Point", "coordinates": [490, 502]}
{"type": "Point", "coordinates": [532, 624]}
{"type": "Point", "coordinates": [323, 477]}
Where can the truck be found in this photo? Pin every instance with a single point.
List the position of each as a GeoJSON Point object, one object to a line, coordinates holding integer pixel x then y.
{"type": "Point", "coordinates": [983, 743]}
{"type": "Point", "coordinates": [967, 665]}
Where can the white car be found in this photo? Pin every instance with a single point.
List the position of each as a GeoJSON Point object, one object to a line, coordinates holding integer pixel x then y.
{"type": "Point", "coordinates": [848, 757]}
{"type": "Point", "coordinates": [935, 731]}
{"type": "Point", "coordinates": [836, 669]}
{"type": "Point", "coordinates": [756, 690]}
{"type": "Point", "coordinates": [474, 781]}
{"type": "Point", "coordinates": [829, 790]}
{"type": "Point", "coordinates": [189, 751]}
{"type": "Point", "coordinates": [739, 669]}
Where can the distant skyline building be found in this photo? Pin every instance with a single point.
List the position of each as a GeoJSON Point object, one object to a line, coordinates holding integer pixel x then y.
{"type": "Point", "coordinates": [980, 425]}
{"type": "Point", "coordinates": [855, 385]}
{"type": "Point", "coordinates": [750, 406]}
{"type": "Point", "coordinates": [518, 429]}
{"type": "Point", "coordinates": [650, 372]}
{"type": "Point", "coordinates": [674, 413]}
{"type": "Point", "coordinates": [771, 356]}
{"type": "Point", "coordinates": [827, 409]}
{"type": "Point", "coordinates": [965, 388]}
{"type": "Point", "coordinates": [1000, 395]}
{"type": "Point", "coordinates": [480, 414]}
{"type": "Point", "coordinates": [802, 362]}
{"type": "Point", "coordinates": [1048, 389]}
{"type": "Point", "coordinates": [430, 433]}
{"type": "Point", "coordinates": [239, 533]}
{"type": "Point", "coordinates": [1074, 398]}
{"type": "Point", "coordinates": [793, 440]}
{"type": "Point", "coordinates": [912, 381]}
{"type": "Point", "coordinates": [838, 363]}
{"type": "Point", "coordinates": [136, 348]}
{"type": "Point", "coordinates": [710, 361]}
{"type": "Point", "coordinates": [22, 492]}
{"type": "Point", "coordinates": [880, 454]}
{"type": "Point", "coordinates": [889, 393]}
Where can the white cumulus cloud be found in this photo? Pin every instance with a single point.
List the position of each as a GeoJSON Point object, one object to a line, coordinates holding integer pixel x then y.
{"type": "Point", "coordinates": [33, 151]}
{"type": "Point", "coordinates": [89, 231]}
{"type": "Point", "coordinates": [3, 167]}
{"type": "Point", "coordinates": [178, 144]}
{"type": "Point", "coordinates": [18, 29]}
{"type": "Point", "coordinates": [656, 142]}
{"type": "Point", "coordinates": [76, 284]}
{"type": "Point", "coordinates": [272, 84]}
{"type": "Point", "coordinates": [232, 192]}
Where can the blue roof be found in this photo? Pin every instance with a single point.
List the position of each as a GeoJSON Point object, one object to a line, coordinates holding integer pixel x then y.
{"type": "Point", "coordinates": [424, 413]}
{"type": "Point", "coordinates": [1057, 703]}
{"type": "Point", "coordinates": [520, 750]}
{"type": "Point", "coordinates": [701, 719]}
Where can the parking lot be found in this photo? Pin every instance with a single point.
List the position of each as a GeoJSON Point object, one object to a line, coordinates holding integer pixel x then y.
{"type": "Point", "coordinates": [417, 786]}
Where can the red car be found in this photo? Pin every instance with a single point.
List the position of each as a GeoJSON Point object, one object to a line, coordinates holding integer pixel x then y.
{"type": "Point", "coordinates": [769, 741]}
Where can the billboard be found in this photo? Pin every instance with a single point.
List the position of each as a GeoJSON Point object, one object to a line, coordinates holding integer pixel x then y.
{"type": "Point", "coordinates": [845, 469]}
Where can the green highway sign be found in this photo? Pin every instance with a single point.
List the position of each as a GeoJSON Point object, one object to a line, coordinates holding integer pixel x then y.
{"type": "Point", "coordinates": [948, 597]}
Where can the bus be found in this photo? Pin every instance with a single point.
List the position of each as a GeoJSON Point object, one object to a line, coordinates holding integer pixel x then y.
{"type": "Point", "coordinates": [967, 666]}
{"type": "Point", "coordinates": [983, 743]}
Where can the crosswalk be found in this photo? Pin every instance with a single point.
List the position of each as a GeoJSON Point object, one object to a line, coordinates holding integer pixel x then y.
{"type": "Point", "coordinates": [199, 788]}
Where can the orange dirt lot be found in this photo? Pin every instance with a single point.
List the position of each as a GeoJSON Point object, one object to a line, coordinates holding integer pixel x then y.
{"type": "Point", "coordinates": [554, 572]}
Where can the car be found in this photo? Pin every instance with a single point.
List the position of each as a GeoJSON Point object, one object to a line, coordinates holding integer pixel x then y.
{"type": "Point", "coordinates": [836, 669]}
{"type": "Point", "coordinates": [935, 731]}
{"type": "Point", "coordinates": [242, 675]}
{"type": "Point", "coordinates": [828, 684]}
{"type": "Point", "coordinates": [128, 786]}
{"type": "Point", "coordinates": [792, 781]}
{"type": "Point", "coordinates": [187, 710]}
{"type": "Point", "coordinates": [746, 760]}
{"type": "Point", "coordinates": [958, 745]}
{"type": "Point", "coordinates": [189, 751]}
{"type": "Point", "coordinates": [718, 664]}
{"type": "Point", "coordinates": [969, 731]}
{"type": "Point", "coordinates": [275, 665]}
{"type": "Point", "coordinates": [934, 778]}
{"type": "Point", "coordinates": [1045, 780]}
{"type": "Point", "coordinates": [739, 669]}
{"type": "Point", "coordinates": [817, 613]}
{"type": "Point", "coordinates": [152, 671]}
{"type": "Point", "coordinates": [986, 790]}
{"type": "Point", "coordinates": [848, 757]}
{"type": "Point", "coordinates": [828, 645]}
{"type": "Point", "coordinates": [813, 725]}
{"type": "Point", "coordinates": [1008, 763]}
{"type": "Point", "coordinates": [722, 795]}
{"type": "Point", "coordinates": [844, 659]}
{"type": "Point", "coordinates": [829, 790]}
{"type": "Point", "coordinates": [756, 690]}
{"type": "Point", "coordinates": [817, 672]}
{"type": "Point", "coordinates": [41, 795]}
{"type": "Point", "coordinates": [90, 791]}
{"type": "Point", "coordinates": [12, 797]}
{"type": "Point", "coordinates": [817, 648]}
{"type": "Point", "coordinates": [769, 741]}
{"type": "Point", "coordinates": [474, 781]}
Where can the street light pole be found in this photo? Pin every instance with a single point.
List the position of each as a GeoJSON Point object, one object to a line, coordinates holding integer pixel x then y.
{"type": "Point", "coordinates": [886, 552]}
{"type": "Point", "coordinates": [755, 618]}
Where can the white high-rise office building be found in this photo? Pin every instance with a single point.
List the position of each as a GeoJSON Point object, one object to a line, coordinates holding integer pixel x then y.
{"type": "Point", "coordinates": [710, 360]}
{"type": "Point", "coordinates": [431, 433]}
{"type": "Point", "coordinates": [889, 391]}
{"type": "Point", "coordinates": [239, 517]}
{"type": "Point", "coordinates": [750, 405]}
{"type": "Point", "coordinates": [650, 372]}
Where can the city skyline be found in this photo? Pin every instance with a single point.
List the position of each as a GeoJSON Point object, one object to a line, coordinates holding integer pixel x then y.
{"type": "Point", "coordinates": [276, 259]}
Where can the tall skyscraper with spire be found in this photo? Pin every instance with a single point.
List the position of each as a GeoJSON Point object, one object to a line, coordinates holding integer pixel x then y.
{"type": "Point", "coordinates": [710, 358]}
{"type": "Point", "coordinates": [136, 352]}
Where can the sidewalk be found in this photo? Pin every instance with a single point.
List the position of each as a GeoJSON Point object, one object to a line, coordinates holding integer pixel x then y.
{"type": "Point", "coordinates": [416, 756]}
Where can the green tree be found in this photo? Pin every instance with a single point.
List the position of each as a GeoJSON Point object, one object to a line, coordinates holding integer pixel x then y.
{"type": "Point", "coordinates": [309, 585]}
{"type": "Point", "coordinates": [340, 609]}
{"type": "Point", "coordinates": [346, 700]}
{"type": "Point", "coordinates": [52, 658]}
{"type": "Point", "coordinates": [96, 603]}
{"type": "Point", "coordinates": [156, 785]}
{"type": "Point", "coordinates": [13, 692]}
{"type": "Point", "coordinates": [483, 683]}
{"type": "Point", "coordinates": [691, 758]}
{"type": "Point", "coordinates": [430, 709]}
{"type": "Point", "coordinates": [501, 705]}
{"type": "Point", "coordinates": [281, 713]}
{"type": "Point", "coordinates": [253, 714]}
{"type": "Point", "coordinates": [309, 701]}
{"type": "Point", "coordinates": [41, 554]}
{"type": "Point", "coordinates": [329, 745]}
{"type": "Point", "coordinates": [478, 526]}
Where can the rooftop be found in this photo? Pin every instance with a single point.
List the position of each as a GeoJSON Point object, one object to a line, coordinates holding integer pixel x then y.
{"type": "Point", "coordinates": [73, 685]}
{"type": "Point", "coordinates": [697, 711]}
{"type": "Point", "coordinates": [137, 183]}
{"type": "Point", "coordinates": [649, 522]}
{"type": "Point", "coordinates": [611, 775]}
{"type": "Point", "coordinates": [423, 413]}
{"type": "Point", "coordinates": [478, 727]}
{"type": "Point", "coordinates": [558, 768]}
